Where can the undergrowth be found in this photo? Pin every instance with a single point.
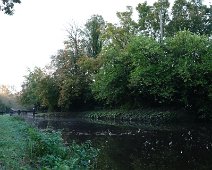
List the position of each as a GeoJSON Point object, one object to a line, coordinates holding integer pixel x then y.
{"type": "Point", "coordinates": [25, 147]}
{"type": "Point", "coordinates": [47, 150]}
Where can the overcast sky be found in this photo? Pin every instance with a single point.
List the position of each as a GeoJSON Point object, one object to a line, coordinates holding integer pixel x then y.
{"type": "Point", "coordinates": [37, 30]}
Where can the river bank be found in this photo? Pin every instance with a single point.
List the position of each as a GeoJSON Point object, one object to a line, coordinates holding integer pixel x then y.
{"type": "Point", "coordinates": [25, 147]}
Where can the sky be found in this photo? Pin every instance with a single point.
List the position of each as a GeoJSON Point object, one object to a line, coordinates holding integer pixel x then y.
{"type": "Point", "coordinates": [36, 31]}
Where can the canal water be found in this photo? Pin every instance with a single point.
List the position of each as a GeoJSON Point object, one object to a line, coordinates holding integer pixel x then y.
{"type": "Point", "coordinates": [136, 146]}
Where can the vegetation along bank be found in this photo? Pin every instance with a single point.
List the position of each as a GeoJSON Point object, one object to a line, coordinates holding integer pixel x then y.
{"type": "Point", "coordinates": [25, 147]}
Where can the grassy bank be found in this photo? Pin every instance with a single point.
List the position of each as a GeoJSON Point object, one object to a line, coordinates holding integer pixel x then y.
{"type": "Point", "coordinates": [25, 147]}
{"type": "Point", "coordinates": [13, 143]}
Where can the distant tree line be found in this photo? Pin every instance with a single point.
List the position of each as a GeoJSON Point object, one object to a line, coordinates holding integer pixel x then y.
{"type": "Point", "coordinates": [125, 64]}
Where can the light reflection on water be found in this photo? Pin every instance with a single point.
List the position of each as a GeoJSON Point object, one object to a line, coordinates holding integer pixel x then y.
{"type": "Point", "coordinates": [127, 145]}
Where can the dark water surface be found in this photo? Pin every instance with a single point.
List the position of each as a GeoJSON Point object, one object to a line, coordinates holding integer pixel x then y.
{"type": "Point", "coordinates": [128, 145]}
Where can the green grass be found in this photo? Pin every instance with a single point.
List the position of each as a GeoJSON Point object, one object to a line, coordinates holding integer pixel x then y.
{"type": "Point", "coordinates": [25, 147]}
{"type": "Point", "coordinates": [13, 143]}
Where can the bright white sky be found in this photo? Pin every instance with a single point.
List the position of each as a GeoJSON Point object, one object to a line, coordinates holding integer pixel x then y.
{"type": "Point", "coordinates": [37, 30]}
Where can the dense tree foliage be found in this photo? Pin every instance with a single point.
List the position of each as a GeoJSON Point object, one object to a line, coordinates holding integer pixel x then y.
{"type": "Point", "coordinates": [111, 80]}
{"type": "Point", "coordinates": [149, 17]}
{"type": "Point", "coordinates": [191, 61]}
{"type": "Point", "coordinates": [39, 90]}
{"type": "Point", "coordinates": [190, 15]}
{"type": "Point", "coordinates": [93, 30]}
{"type": "Point", "coordinates": [71, 79]}
{"type": "Point", "coordinates": [8, 5]}
{"type": "Point", "coordinates": [125, 64]}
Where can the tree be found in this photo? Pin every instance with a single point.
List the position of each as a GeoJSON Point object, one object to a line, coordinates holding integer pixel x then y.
{"type": "Point", "coordinates": [8, 5]}
{"type": "Point", "coordinates": [190, 15]}
{"type": "Point", "coordinates": [150, 77]}
{"type": "Point", "coordinates": [93, 30]}
{"type": "Point", "coordinates": [149, 18]}
{"type": "Point", "coordinates": [40, 90]}
{"type": "Point", "coordinates": [118, 35]}
{"type": "Point", "coordinates": [190, 56]}
{"type": "Point", "coordinates": [86, 41]}
{"type": "Point", "coordinates": [110, 83]}
{"type": "Point", "coordinates": [126, 21]}
{"type": "Point", "coordinates": [73, 82]}
{"type": "Point", "coordinates": [75, 42]}
{"type": "Point", "coordinates": [29, 94]}
{"type": "Point", "coordinates": [48, 92]}
{"type": "Point", "coordinates": [72, 66]}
